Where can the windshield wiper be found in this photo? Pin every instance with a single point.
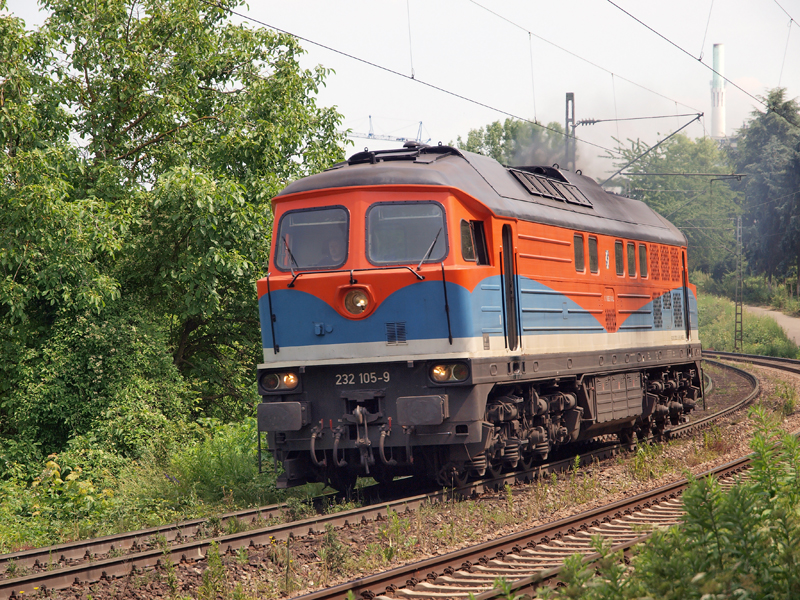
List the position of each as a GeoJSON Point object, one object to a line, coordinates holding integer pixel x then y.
{"type": "Point", "coordinates": [428, 253]}
{"type": "Point", "coordinates": [291, 256]}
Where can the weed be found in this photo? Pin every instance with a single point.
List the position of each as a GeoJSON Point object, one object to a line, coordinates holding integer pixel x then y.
{"type": "Point", "coordinates": [788, 396]}
{"type": "Point", "coordinates": [509, 498]}
{"type": "Point", "coordinates": [169, 569]}
{"type": "Point", "coordinates": [395, 533]}
{"type": "Point", "coordinates": [214, 576]}
{"type": "Point", "coordinates": [213, 526]}
{"type": "Point", "coordinates": [243, 555]}
{"type": "Point", "coordinates": [235, 525]}
{"type": "Point", "coordinates": [333, 554]}
{"type": "Point", "coordinates": [330, 506]}
{"type": "Point", "coordinates": [288, 578]}
{"type": "Point", "coordinates": [298, 509]}
{"type": "Point", "coordinates": [648, 462]}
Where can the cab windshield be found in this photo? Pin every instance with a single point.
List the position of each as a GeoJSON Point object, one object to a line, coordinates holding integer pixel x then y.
{"type": "Point", "coordinates": [312, 239]}
{"type": "Point", "coordinates": [405, 233]}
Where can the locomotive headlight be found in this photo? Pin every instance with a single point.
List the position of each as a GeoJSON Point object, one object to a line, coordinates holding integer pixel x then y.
{"type": "Point", "coordinates": [449, 372]}
{"type": "Point", "coordinates": [441, 373]}
{"type": "Point", "coordinates": [356, 302]}
{"type": "Point", "coordinates": [290, 381]}
{"type": "Point", "coordinates": [275, 382]}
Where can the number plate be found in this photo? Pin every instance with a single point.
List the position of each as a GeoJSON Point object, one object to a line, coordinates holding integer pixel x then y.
{"type": "Point", "coordinates": [362, 378]}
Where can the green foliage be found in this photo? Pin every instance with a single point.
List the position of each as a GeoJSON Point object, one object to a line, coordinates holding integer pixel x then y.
{"type": "Point", "coordinates": [761, 335]}
{"type": "Point", "coordinates": [515, 142]}
{"type": "Point", "coordinates": [768, 150]}
{"type": "Point", "coordinates": [740, 543]}
{"type": "Point", "coordinates": [140, 144]}
{"type": "Point", "coordinates": [214, 578]}
{"type": "Point", "coordinates": [220, 465]}
{"type": "Point", "coordinates": [107, 377]}
{"type": "Point", "coordinates": [333, 554]}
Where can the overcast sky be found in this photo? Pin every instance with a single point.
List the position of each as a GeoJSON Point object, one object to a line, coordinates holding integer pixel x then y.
{"type": "Point", "coordinates": [495, 57]}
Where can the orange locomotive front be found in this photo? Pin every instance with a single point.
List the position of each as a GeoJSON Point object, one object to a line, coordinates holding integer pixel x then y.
{"type": "Point", "coordinates": [431, 312]}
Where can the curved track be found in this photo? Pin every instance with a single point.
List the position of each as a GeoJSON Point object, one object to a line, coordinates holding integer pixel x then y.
{"type": "Point", "coordinates": [61, 566]}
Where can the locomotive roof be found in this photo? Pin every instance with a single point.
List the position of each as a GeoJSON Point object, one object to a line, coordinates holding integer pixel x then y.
{"type": "Point", "coordinates": [539, 194]}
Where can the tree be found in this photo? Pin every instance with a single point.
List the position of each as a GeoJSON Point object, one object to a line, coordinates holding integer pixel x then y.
{"type": "Point", "coordinates": [142, 142]}
{"type": "Point", "coordinates": [704, 210]}
{"type": "Point", "coordinates": [516, 142]}
{"type": "Point", "coordinates": [768, 150]}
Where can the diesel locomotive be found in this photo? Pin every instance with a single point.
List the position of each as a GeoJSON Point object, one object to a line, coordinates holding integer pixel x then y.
{"type": "Point", "coordinates": [430, 311]}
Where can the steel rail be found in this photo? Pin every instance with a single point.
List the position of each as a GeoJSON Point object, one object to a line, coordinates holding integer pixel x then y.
{"type": "Point", "coordinates": [466, 559]}
{"type": "Point", "coordinates": [195, 550]}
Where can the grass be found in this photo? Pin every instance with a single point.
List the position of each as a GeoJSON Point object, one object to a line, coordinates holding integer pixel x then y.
{"type": "Point", "coordinates": [761, 335]}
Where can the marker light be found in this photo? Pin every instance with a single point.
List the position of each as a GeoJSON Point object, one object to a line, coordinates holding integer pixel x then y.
{"type": "Point", "coordinates": [449, 372]}
{"type": "Point", "coordinates": [356, 302]}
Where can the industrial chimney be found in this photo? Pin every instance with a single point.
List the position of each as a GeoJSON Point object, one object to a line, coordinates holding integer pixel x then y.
{"type": "Point", "coordinates": [718, 94]}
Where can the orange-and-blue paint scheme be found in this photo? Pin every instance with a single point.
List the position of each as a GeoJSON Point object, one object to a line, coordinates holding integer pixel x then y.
{"type": "Point", "coordinates": [486, 313]}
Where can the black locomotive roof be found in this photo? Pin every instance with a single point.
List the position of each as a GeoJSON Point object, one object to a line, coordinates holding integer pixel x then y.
{"type": "Point", "coordinates": [539, 194]}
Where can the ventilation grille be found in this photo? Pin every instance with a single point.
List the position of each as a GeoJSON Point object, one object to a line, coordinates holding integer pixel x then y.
{"type": "Point", "coordinates": [611, 320]}
{"type": "Point", "coordinates": [658, 323]}
{"type": "Point", "coordinates": [654, 263]}
{"type": "Point", "coordinates": [676, 264]}
{"type": "Point", "coordinates": [396, 333]}
{"type": "Point", "coordinates": [667, 301]}
{"type": "Point", "coordinates": [677, 313]}
{"type": "Point", "coordinates": [664, 263]}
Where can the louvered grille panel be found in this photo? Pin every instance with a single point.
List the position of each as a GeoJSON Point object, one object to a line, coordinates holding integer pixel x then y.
{"type": "Point", "coordinates": [675, 264]}
{"type": "Point", "coordinates": [655, 263]}
{"type": "Point", "coordinates": [664, 263]}
{"type": "Point", "coordinates": [677, 313]}
{"type": "Point", "coordinates": [396, 333]}
{"type": "Point", "coordinates": [658, 323]}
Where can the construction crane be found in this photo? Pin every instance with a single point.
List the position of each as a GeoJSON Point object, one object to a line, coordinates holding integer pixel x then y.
{"type": "Point", "coordinates": [390, 138]}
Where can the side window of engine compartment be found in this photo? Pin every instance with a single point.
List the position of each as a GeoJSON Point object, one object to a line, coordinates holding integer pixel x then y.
{"type": "Point", "coordinates": [314, 238]}
{"type": "Point", "coordinates": [593, 265]}
{"type": "Point", "coordinates": [406, 233]}
{"type": "Point", "coordinates": [580, 265]}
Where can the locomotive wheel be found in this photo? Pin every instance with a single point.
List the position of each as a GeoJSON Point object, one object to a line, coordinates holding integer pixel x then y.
{"type": "Point", "coordinates": [494, 467]}
{"type": "Point", "coordinates": [529, 459]}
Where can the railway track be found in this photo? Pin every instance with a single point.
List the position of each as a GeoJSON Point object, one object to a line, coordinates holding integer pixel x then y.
{"type": "Point", "coordinates": [531, 557]}
{"type": "Point", "coordinates": [114, 556]}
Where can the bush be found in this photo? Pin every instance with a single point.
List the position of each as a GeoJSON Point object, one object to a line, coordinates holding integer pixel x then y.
{"type": "Point", "coordinates": [221, 466]}
{"type": "Point", "coordinates": [110, 377]}
{"type": "Point", "coordinates": [740, 543]}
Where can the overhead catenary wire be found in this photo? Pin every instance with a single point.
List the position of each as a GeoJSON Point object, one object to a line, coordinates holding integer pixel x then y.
{"type": "Point", "coordinates": [650, 149]}
{"type": "Point", "coordinates": [579, 57]}
{"type": "Point", "coordinates": [404, 76]}
{"type": "Point", "coordinates": [410, 51]}
{"type": "Point", "coordinates": [785, 50]}
{"type": "Point", "coordinates": [705, 33]}
{"type": "Point", "coordinates": [686, 52]}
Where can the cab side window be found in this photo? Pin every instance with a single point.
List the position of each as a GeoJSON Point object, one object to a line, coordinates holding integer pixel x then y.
{"type": "Point", "coordinates": [473, 242]}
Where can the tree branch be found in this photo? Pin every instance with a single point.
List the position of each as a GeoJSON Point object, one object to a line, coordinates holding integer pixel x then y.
{"type": "Point", "coordinates": [161, 136]}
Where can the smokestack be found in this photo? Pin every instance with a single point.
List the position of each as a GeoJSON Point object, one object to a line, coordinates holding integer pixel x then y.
{"type": "Point", "coordinates": [718, 94]}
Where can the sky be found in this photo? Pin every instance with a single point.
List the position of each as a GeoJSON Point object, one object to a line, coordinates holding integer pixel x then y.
{"type": "Point", "coordinates": [456, 65]}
